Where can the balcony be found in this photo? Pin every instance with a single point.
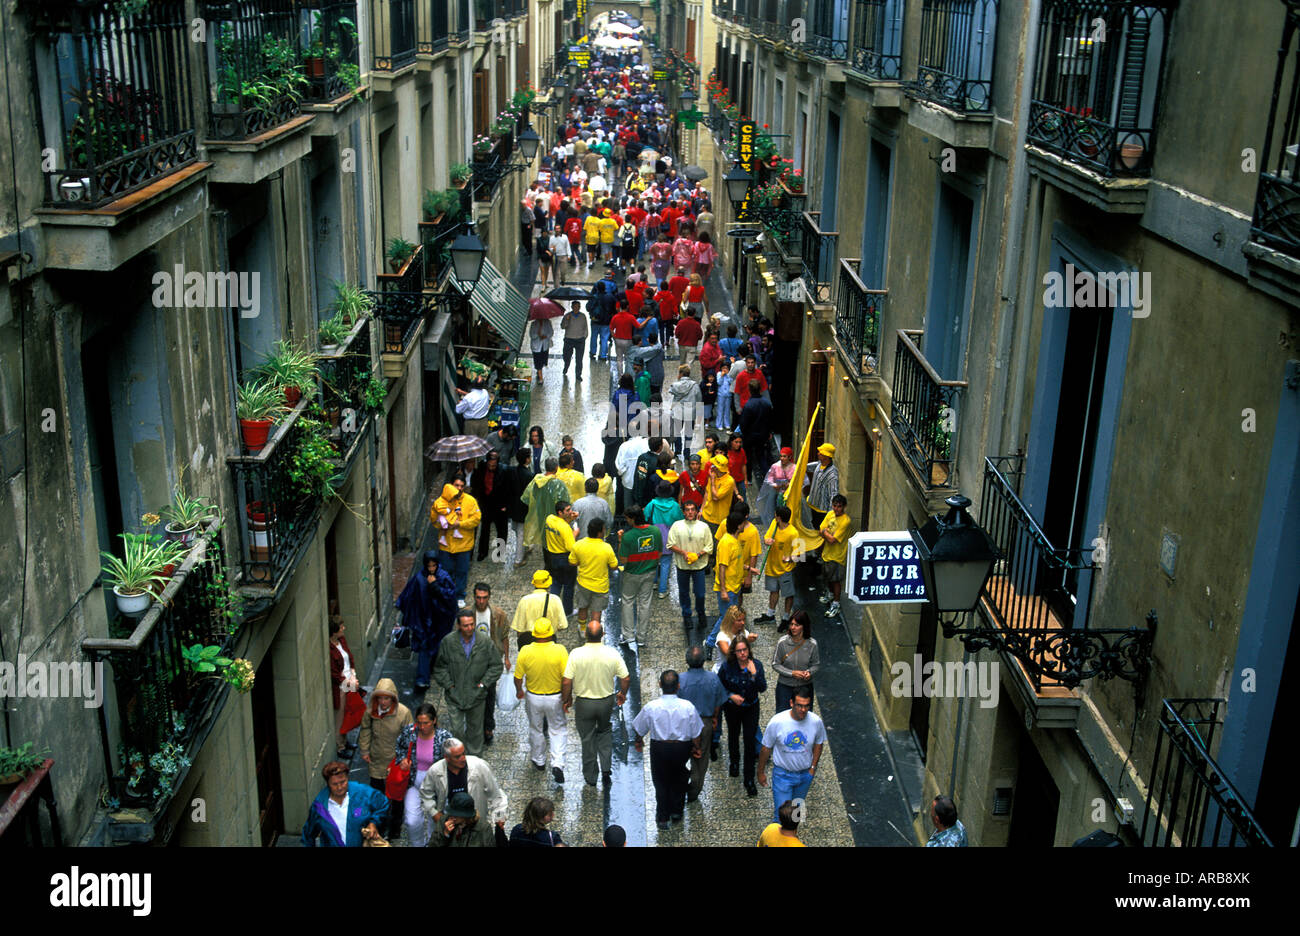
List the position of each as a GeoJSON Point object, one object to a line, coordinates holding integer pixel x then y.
{"type": "Point", "coordinates": [400, 303]}
{"type": "Point", "coordinates": [955, 71]}
{"type": "Point", "coordinates": [20, 816]}
{"type": "Point", "coordinates": [1095, 100]}
{"type": "Point", "coordinates": [817, 248]}
{"type": "Point", "coordinates": [922, 414]}
{"type": "Point", "coordinates": [1178, 815]}
{"type": "Point", "coordinates": [393, 37]}
{"type": "Point", "coordinates": [330, 50]}
{"type": "Point", "coordinates": [255, 76]}
{"type": "Point", "coordinates": [877, 49]}
{"type": "Point", "coordinates": [1273, 252]}
{"type": "Point", "coordinates": [1030, 599]}
{"type": "Point", "coordinates": [432, 26]}
{"type": "Point", "coordinates": [858, 313]}
{"type": "Point", "coordinates": [121, 118]}
{"type": "Point", "coordinates": [165, 708]}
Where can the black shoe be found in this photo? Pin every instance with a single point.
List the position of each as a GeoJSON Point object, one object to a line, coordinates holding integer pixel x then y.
{"type": "Point", "coordinates": [558, 774]}
{"type": "Point", "coordinates": [607, 779]}
{"type": "Point", "coordinates": [713, 752]}
{"type": "Point", "coordinates": [487, 737]}
{"type": "Point", "coordinates": [676, 817]}
{"type": "Point", "coordinates": [421, 687]}
{"type": "Point", "coordinates": [783, 626]}
{"type": "Point", "coordinates": [765, 617]}
{"type": "Point", "coordinates": [733, 770]}
{"type": "Point", "coordinates": [590, 783]}
{"type": "Point", "coordinates": [661, 826]}
{"type": "Point", "coordinates": [692, 797]}
{"type": "Point", "coordinates": [751, 789]}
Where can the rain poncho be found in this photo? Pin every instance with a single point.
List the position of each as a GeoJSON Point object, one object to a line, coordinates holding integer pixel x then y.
{"type": "Point", "coordinates": [428, 609]}
{"type": "Point", "coordinates": [541, 496]}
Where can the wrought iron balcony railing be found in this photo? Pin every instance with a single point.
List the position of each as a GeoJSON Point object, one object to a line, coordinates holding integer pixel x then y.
{"type": "Point", "coordinates": [1030, 595]}
{"type": "Point", "coordinates": [818, 251]}
{"type": "Point", "coordinates": [464, 19]}
{"type": "Point", "coordinates": [955, 69]}
{"type": "Point", "coordinates": [344, 376]}
{"type": "Point", "coordinates": [858, 313]}
{"type": "Point", "coordinates": [1198, 805]}
{"type": "Point", "coordinates": [432, 25]}
{"type": "Point", "coordinates": [1097, 88]}
{"type": "Point", "coordinates": [122, 117]}
{"type": "Point", "coordinates": [923, 412]}
{"type": "Point", "coordinates": [165, 707]}
{"type": "Point", "coordinates": [330, 48]}
{"type": "Point", "coordinates": [255, 71]}
{"type": "Point", "coordinates": [393, 34]}
{"type": "Point", "coordinates": [877, 49]}
{"type": "Point", "coordinates": [1276, 220]}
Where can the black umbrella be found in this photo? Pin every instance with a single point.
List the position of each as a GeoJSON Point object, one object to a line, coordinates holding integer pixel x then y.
{"type": "Point", "coordinates": [568, 293]}
{"type": "Point", "coordinates": [695, 173]}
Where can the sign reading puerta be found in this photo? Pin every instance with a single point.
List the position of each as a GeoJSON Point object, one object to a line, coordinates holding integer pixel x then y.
{"type": "Point", "coordinates": [884, 568]}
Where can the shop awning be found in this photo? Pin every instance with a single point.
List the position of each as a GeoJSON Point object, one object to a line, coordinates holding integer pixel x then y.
{"type": "Point", "coordinates": [496, 301]}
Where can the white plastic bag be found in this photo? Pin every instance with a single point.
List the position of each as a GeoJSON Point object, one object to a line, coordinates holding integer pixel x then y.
{"type": "Point", "coordinates": [507, 701]}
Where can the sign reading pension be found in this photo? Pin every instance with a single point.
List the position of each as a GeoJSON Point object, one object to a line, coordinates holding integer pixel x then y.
{"type": "Point", "coordinates": [884, 568]}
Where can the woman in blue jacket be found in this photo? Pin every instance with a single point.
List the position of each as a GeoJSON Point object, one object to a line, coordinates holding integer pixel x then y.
{"type": "Point", "coordinates": [742, 677]}
{"type": "Point", "coordinates": [428, 606]}
{"type": "Point", "coordinates": [344, 814]}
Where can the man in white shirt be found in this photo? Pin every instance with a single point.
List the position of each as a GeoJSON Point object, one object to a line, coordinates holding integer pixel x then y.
{"type": "Point", "coordinates": [473, 408]}
{"type": "Point", "coordinates": [691, 540]}
{"type": "Point", "coordinates": [625, 461]}
{"type": "Point", "coordinates": [574, 327]}
{"type": "Point", "coordinates": [589, 677]}
{"type": "Point", "coordinates": [674, 727]}
{"type": "Point", "coordinates": [793, 740]}
{"type": "Point", "coordinates": [563, 252]}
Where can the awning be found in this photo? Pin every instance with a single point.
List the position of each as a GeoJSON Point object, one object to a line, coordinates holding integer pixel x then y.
{"type": "Point", "coordinates": [496, 301]}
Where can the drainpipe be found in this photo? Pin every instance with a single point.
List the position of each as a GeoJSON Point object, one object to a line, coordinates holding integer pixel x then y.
{"type": "Point", "coordinates": [1013, 252]}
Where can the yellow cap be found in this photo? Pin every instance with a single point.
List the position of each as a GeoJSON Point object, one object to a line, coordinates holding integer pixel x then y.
{"type": "Point", "coordinates": [541, 579]}
{"type": "Point", "coordinates": [720, 462]}
{"type": "Point", "coordinates": [826, 449]}
{"type": "Point", "coordinates": [542, 629]}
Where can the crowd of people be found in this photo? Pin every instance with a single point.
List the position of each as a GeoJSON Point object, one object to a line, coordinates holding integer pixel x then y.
{"type": "Point", "coordinates": [684, 474]}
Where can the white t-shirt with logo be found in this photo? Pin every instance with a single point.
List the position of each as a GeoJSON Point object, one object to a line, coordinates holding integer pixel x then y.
{"type": "Point", "coordinates": [791, 741]}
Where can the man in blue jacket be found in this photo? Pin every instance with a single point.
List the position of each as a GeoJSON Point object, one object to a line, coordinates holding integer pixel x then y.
{"type": "Point", "coordinates": [344, 813]}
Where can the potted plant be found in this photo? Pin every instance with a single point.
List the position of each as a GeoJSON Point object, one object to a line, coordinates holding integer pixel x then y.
{"type": "Point", "coordinates": [432, 205]}
{"type": "Point", "coordinates": [208, 659]}
{"type": "Point", "coordinates": [312, 464]}
{"type": "Point", "coordinates": [185, 513]}
{"type": "Point", "coordinates": [333, 332]}
{"type": "Point", "coordinates": [168, 762]}
{"type": "Point", "coordinates": [400, 251]}
{"type": "Point", "coordinates": [291, 368]}
{"type": "Point", "coordinates": [16, 764]}
{"type": "Point", "coordinates": [139, 574]}
{"type": "Point", "coordinates": [449, 202]}
{"type": "Point", "coordinates": [374, 391]}
{"type": "Point", "coordinates": [258, 402]}
{"type": "Point", "coordinates": [352, 302]}
{"type": "Point", "coordinates": [460, 174]}
{"type": "Point", "coordinates": [482, 147]}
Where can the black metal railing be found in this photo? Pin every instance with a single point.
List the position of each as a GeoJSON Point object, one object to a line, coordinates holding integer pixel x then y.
{"type": "Point", "coordinates": [464, 19]}
{"type": "Point", "coordinates": [1276, 220]}
{"type": "Point", "coordinates": [858, 315]}
{"type": "Point", "coordinates": [400, 315]}
{"type": "Point", "coordinates": [432, 29]}
{"type": "Point", "coordinates": [20, 814]}
{"type": "Point", "coordinates": [393, 34]}
{"type": "Point", "coordinates": [923, 412]}
{"type": "Point", "coordinates": [344, 375]}
{"type": "Point", "coordinates": [1097, 88]}
{"type": "Point", "coordinates": [955, 68]}
{"type": "Point", "coordinates": [255, 68]}
{"type": "Point", "coordinates": [409, 279]}
{"type": "Point", "coordinates": [878, 39]}
{"type": "Point", "coordinates": [489, 172]}
{"type": "Point", "coordinates": [330, 47]}
{"type": "Point", "coordinates": [436, 239]}
{"type": "Point", "coordinates": [818, 253]}
{"type": "Point", "coordinates": [123, 116]}
{"type": "Point", "coordinates": [164, 706]}
{"type": "Point", "coordinates": [1031, 600]}
{"type": "Point", "coordinates": [1181, 808]}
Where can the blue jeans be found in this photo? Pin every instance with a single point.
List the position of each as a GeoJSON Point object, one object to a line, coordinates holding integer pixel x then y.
{"type": "Point", "coordinates": [788, 785]}
{"type": "Point", "coordinates": [689, 580]}
{"type": "Point", "coordinates": [457, 566]}
{"type": "Point", "coordinates": [724, 411]}
{"type": "Point", "coordinates": [600, 333]}
{"type": "Point", "coordinates": [665, 564]}
{"type": "Point", "coordinates": [712, 639]}
{"type": "Point", "coordinates": [424, 666]}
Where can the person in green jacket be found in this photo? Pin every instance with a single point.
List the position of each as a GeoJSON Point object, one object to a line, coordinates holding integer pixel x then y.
{"type": "Point", "coordinates": [641, 380]}
{"type": "Point", "coordinates": [541, 495]}
{"type": "Point", "coordinates": [639, 549]}
{"type": "Point", "coordinates": [468, 663]}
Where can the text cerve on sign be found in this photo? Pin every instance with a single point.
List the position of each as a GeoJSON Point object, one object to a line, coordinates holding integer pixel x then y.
{"type": "Point", "coordinates": [884, 568]}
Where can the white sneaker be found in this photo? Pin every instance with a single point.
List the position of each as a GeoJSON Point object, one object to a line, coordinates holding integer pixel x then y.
{"type": "Point", "coordinates": [833, 610]}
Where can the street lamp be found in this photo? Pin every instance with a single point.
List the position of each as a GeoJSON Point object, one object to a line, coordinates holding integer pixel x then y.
{"type": "Point", "coordinates": [687, 98]}
{"type": "Point", "coordinates": [467, 253]}
{"type": "Point", "coordinates": [528, 143]}
{"type": "Point", "coordinates": [737, 181]}
{"type": "Point", "coordinates": [956, 556]}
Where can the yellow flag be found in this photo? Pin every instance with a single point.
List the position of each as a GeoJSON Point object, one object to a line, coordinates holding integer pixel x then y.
{"type": "Point", "coordinates": [794, 496]}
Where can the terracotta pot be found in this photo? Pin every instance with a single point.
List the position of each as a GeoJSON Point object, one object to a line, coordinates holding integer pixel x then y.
{"type": "Point", "coordinates": [255, 433]}
{"type": "Point", "coordinates": [292, 395]}
{"type": "Point", "coordinates": [315, 66]}
{"type": "Point", "coordinates": [169, 569]}
{"type": "Point", "coordinates": [1130, 155]}
{"type": "Point", "coordinates": [395, 265]}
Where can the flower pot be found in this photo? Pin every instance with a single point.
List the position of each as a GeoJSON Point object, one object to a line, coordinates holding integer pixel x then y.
{"type": "Point", "coordinates": [1130, 155]}
{"type": "Point", "coordinates": [458, 185]}
{"type": "Point", "coordinates": [292, 395]}
{"type": "Point", "coordinates": [72, 191]}
{"type": "Point", "coordinates": [182, 535]}
{"type": "Point", "coordinates": [255, 433]}
{"type": "Point", "coordinates": [132, 605]}
{"type": "Point", "coordinates": [315, 66]}
{"type": "Point", "coordinates": [169, 569]}
{"type": "Point", "coordinates": [329, 349]}
{"type": "Point", "coordinates": [395, 264]}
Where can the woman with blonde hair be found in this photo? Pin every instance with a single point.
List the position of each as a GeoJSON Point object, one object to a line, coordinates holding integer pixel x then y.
{"type": "Point", "coordinates": [733, 626]}
{"type": "Point", "coordinates": [697, 303]}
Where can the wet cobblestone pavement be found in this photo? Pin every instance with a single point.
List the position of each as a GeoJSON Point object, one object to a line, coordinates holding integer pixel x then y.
{"type": "Point", "coordinates": [724, 814]}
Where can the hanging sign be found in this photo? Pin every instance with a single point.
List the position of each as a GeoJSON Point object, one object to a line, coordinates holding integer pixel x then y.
{"type": "Point", "coordinates": [580, 57]}
{"type": "Point", "coordinates": [884, 568]}
{"type": "Point", "coordinates": [660, 74]}
{"type": "Point", "coordinates": [745, 153]}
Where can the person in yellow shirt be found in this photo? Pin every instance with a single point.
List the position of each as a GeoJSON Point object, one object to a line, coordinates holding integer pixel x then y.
{"type": "Point", "coordinates": [456, 517]}
{"type": "Point", "coordinates": [787, 548]}
{"type": "Point", "coordinates": [540, 667]}
{"type": "Point", "coordinates": [750, 540]}
{"type": "Point", "coordinates": [718, 493]}
{"type": "Point", "coordinates": [608, 233]}
{"type": "Point", "coordinates": [835, 554]}
{"type": "Point", "coordinates": [573, 480]}
{"type": "Point", "coordinates": [594, 558]}
{"type": "Point", "coordinates": [591, 232]}
{"type": "Point", "coordinates": [783, 834]}
{"type": "Point", "coordinates": [728, 575]}
{"type": "Point", "coordinates": [605, 484]}
{"type": "Point", "coordinates": [559, 543]}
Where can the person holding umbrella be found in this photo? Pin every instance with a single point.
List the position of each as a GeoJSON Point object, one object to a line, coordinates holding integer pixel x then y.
{"type": "Point", "coordinates": [539, 336]}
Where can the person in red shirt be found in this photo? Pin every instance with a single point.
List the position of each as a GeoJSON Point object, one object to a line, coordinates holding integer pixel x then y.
{"type": "Point", "coordinates": [677, 284]}
{"type": "Point", "coordinates": [710, 354]}
{"type": "Point", "coordinates": [666, 300]}
{"type": "Point", "coordinates": [751, 372]}
{"type": "Point", "coordinates": [689, 332]}
{"type": "Point", "coordinates": [622, 328]}
{"type": "Point", "coordinates": [691, 483]}
{"type": "Point", "coordinates": [736, 462]}
{"type": "Point", "coordinates": [670, 216]}
{"type": "Point", "coordinates": [635, 299]}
